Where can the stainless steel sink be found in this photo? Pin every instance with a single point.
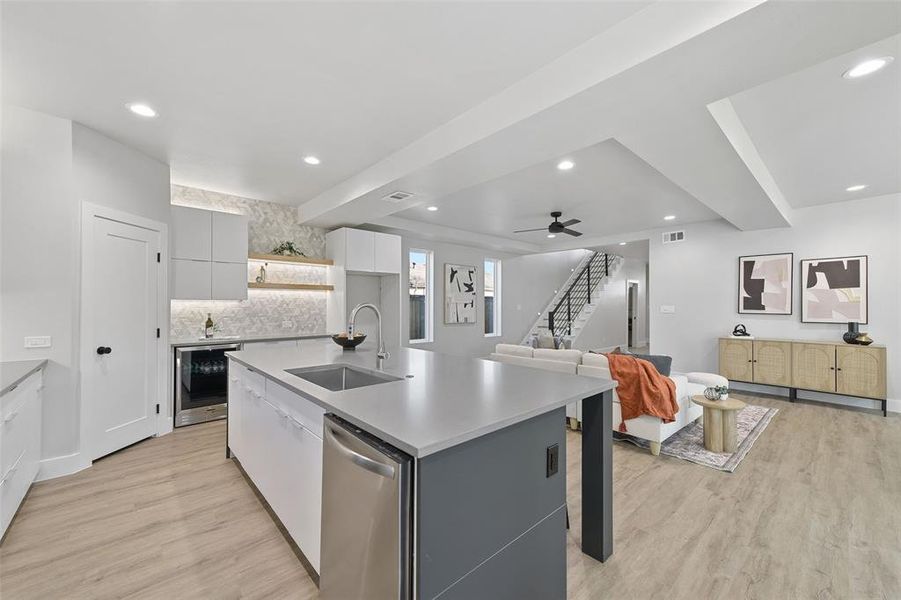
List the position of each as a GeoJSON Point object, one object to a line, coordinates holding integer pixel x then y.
{"type": "Point", "coordinates": [338, 378]}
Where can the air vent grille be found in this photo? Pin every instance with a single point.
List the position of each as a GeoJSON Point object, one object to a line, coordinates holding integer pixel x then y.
{"type": "Point", "coordinates": [397, 196]}
{"type": "Point", "coordinates": [671, 237]}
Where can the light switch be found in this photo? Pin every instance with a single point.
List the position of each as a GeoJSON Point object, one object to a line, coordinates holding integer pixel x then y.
{"type": "Point", "coordinates": [667, 308]}
{"type": "Point", "coordinates": [38, 341]}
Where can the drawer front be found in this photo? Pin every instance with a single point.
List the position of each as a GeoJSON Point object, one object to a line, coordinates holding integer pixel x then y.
{"type": "Point", "coordinates": [20, 423]}
{"type": "Point", "coordinates": [13, 486]}
{"type": "Point", "coordinates": [306, 412]}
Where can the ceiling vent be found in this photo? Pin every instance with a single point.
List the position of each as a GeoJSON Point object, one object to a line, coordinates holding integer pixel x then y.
{"type": "Point", "coordinates": [671, 237]}
{"type": "Point", "coordinates": [397, 196]}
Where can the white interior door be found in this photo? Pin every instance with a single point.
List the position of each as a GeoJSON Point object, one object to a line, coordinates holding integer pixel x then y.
{"type": "Point", "coordinates": [122, 296]}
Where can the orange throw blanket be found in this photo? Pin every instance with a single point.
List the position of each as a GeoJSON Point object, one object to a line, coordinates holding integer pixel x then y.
{"type": "Point", "coordinates": [642, 390]}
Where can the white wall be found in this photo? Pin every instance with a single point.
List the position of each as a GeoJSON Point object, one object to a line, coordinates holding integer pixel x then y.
{"type": "Point", "coordinates": [116, 176]}
{"type": "Point", "coordinates": [608, 325]}
{"type": "Point", "coordinates": [527, 285]}
{"type": "Point", "coordinates": [700, 278]}
{"type": "Point", "coordinates": [40, 262]}
{"type": "Point", "coordinates": [50, 166]}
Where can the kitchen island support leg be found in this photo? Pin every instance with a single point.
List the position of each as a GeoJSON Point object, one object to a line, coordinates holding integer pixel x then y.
{"type": "Point", "coordinates": [597, 476]}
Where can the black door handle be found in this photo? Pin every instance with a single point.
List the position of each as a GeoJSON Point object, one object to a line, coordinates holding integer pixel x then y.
{"type": "Point", "coordinates": [103, 350]}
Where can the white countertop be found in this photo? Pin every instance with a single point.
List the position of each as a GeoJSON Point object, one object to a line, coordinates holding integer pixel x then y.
{"type": "Point", "coordinates": [12, 373]}
{"type": "Point", "coordinates": [448, 401]}
{"type": "Point", "coordinates": [240, 339]}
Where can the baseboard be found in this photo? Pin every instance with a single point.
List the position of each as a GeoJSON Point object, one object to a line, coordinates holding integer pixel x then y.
{"type": "Point", "coordinates": [893, 405]}
{"type": "Point", "coordinates": [59, 466]}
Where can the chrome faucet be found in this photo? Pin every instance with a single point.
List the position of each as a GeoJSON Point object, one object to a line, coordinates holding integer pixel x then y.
{"type": "Point", "coordinates": [382, 353]}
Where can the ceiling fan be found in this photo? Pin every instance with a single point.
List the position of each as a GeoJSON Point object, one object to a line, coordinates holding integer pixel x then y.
{"type": "Point", "coordinates": [557, 227]}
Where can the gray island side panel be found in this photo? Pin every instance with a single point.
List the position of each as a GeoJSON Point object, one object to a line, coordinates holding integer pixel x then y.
{"type": "Point", "coordinates": [490, 522]}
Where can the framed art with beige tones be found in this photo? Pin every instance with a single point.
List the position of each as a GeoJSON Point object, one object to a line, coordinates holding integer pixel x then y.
{"type": "Point", "coordinates": [834, 290]}
{"type": "Point", "coordinates": [765, 284]}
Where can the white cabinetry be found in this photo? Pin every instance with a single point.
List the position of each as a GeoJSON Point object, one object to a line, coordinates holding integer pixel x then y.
{"type": "Point", "coordinates": [20, 444]}
{"type": "Point", "coordinates": [277, 437]}
{"type": "Point", "coordinates": [361, 251]}
{"type": "Point", "coordinates": [209, 255]}
{"type": "Point", "coordinates": [367, 267]}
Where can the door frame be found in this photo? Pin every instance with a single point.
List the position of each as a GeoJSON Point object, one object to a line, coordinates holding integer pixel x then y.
{"type": "Point", "coordinates": [635, 336]}
{"type": "Point", "coordinates": [89, 212]}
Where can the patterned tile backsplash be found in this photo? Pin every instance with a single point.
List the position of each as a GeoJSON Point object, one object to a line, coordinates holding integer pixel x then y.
{"type": "Point", "coordinates": [265, 312]}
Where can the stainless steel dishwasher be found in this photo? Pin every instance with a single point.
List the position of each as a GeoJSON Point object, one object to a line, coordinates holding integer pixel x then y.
{"type": "Point", "coordinates": [367, 529]}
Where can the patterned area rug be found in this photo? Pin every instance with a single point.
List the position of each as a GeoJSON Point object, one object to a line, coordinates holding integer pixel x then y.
{"type": "Point", "coordinates": [688, 444]}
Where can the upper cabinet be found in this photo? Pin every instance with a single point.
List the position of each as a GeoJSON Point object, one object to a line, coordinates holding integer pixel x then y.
{"type": "Point", "coordinates": [209, 255]}
{"type": "Point", "coordinates": [364, 251]}
{"type": "Point", "coordinates": [191, 233]}
{"type": "Point", "coordinates": [229, 242]}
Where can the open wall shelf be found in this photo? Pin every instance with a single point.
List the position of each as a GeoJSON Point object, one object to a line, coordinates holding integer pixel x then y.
{"type": "Point", "coordinates": [294, 260]}
{"type": "Point", "coordinates": [253, 285]}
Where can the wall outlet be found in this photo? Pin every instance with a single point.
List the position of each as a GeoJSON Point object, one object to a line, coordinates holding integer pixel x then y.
{"type": "Point", "coordinates": [553, 460]}
{"type": "Point", "coordinates": [667, 309]}
{"type": "Point", "coordinates": [287, 324]}
{"type": "Point", "coordinates": [38, 341]}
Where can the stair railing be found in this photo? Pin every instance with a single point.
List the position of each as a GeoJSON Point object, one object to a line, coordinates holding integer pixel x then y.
{"type": "Point", "coordinates": [578, 294]}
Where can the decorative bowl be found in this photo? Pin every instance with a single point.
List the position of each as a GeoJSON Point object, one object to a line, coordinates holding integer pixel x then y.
{"type": "Point", "coordinates": [863, 339]}
{"type": "Point", "coordinates": [348, 343]}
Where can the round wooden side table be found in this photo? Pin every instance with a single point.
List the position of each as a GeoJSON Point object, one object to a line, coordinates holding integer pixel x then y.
{"type": "Point", "coordinates": [720, 431]}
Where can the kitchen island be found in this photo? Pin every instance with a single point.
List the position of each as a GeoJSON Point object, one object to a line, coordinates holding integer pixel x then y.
{"type": "Point", "coordinates": [488, 455]}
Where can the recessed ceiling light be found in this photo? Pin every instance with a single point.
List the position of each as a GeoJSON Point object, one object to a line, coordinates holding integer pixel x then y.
{"type": "Point", "coordinates": [867, 67]}
{"type": "Point", "coordinates": [669, 217]}
{"type": "Point", "coordinates": [431, 208]}
{"type": "Point", "coordinates": [622, 243]}
{"type": "Point", "coordinates": [856, 188]}
{"type": "Point", "coordinates": [551, 235]}
{"type": "Point", "coordinates": [565, 165]}
{"type": "Point", "coordinates": [311, 160]}
{"type": "Point", "coordinates": [142, 110]}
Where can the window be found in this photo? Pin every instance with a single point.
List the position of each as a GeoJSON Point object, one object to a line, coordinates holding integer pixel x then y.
{"type": "Point", "coordinates": [421, 286]}
{"type": "Point", "coordinates": [492, 297]}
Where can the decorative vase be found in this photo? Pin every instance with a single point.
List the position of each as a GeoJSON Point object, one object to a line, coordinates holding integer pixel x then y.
{"type": "Point", "coordinates": [852, 334]}
{"type": "Point", "coordinates": [711, 393]}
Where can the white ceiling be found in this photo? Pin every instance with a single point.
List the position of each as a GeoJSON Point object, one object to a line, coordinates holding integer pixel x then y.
{"type": "Point", "coordinates": [245, 89]}
{"type": "Point", "coordinates": [470, 105]}
{"type": "Point", "coordinates": [610, 190]}
{"type": "Point", "coordinates": [638, 249]}
{"type": "Point", "coordinates": [819, 133]}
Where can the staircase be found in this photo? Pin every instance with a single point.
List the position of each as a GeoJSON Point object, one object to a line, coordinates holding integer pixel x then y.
{"type": "Point", "coordinates": [573, 305]}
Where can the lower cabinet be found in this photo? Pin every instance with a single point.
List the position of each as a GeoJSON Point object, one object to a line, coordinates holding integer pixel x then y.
{"type": "Point", "coordinates": [772, 362]}
{"type": "Point", "coordinates": [813, 367]}
{"type": "Point", "coordinates": [20, 444]}
{"type": "Point", "coordinates": [860, 371]}
{"type": "Point", "coordinates": [276, 435]}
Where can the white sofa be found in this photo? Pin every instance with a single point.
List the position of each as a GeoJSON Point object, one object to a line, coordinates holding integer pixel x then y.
{"type": "Point", "coordinates": [575, 362]}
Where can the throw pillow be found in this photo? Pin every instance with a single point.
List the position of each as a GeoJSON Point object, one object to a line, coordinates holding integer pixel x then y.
{"type": "Point", "coordinates": [661, 362]}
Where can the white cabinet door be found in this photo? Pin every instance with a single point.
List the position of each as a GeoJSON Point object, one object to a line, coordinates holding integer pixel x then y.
{"type": "Point", "coordinates": [360, 250]}
{"type": "Point", "coordinates": [191, 233]}
{"type": "Point", "coordinates": [304, 477]}
{"type": "Point", "coordinates": [229, 281]}
{"type": "Point", "coordinates": [229, 238]}
{"type": "Point", "coordinates": [190, 279]}
{"type": "Point", "coordinates": [387, 253]}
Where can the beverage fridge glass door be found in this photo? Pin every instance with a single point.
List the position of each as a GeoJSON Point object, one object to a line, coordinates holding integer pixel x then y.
{"type": "Point", "coordinates": [201, 383]}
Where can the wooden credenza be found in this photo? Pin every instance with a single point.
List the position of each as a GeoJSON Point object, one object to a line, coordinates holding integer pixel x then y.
{"type": "Point", "coordinates": [804, 365]}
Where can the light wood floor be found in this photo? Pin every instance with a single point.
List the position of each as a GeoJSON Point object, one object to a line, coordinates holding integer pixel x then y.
{"type": "Point", "coordinates": [814, 511]}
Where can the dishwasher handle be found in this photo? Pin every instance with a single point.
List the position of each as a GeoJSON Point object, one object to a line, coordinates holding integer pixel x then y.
{"type": "Point", "coordinates": [358, 459]}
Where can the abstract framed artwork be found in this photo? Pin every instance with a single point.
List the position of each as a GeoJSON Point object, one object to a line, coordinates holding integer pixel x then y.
{"type": "Point", "coordinates": [459, 294]}
{"type": "Point", "coordinates": [834, 290]}
{"type": "Point", "coordinates": [765, 284]}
